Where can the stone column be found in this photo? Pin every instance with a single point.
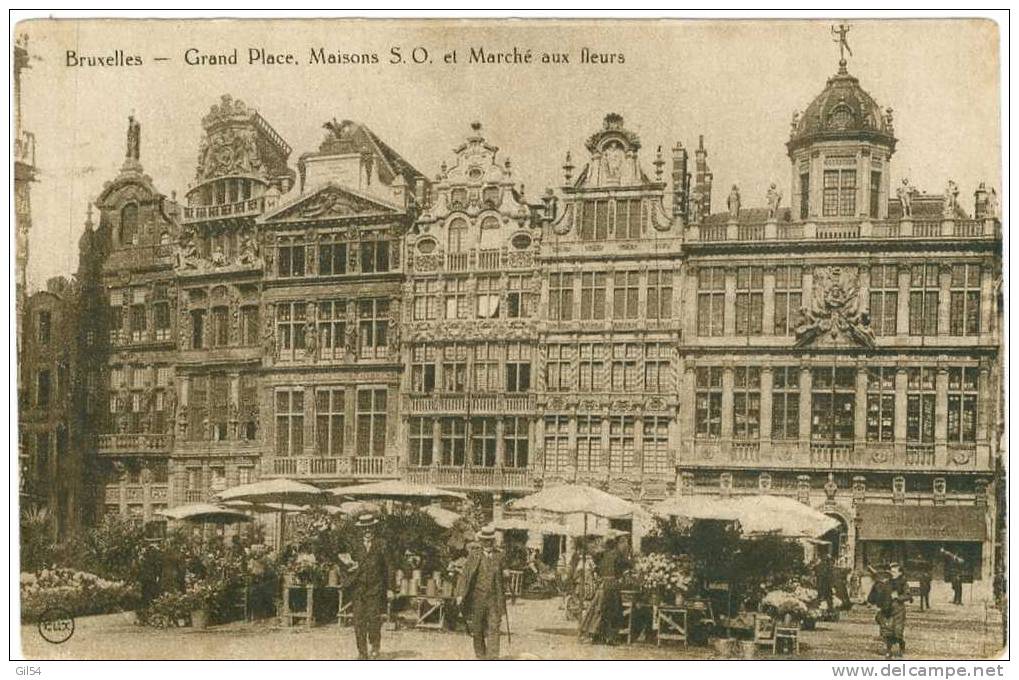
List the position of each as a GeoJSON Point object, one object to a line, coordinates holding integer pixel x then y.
{"type": "Point", "coordinates": [234, 406]}
{"type": "Point", "coordinates": [729, 317]}
{"type": "Point", "coordinates": [902, 313]}
{"type": "Point", "coordinates": [806, 384]}
{"type": "Point", "coordinates": [986, 403]}
{"type": "Point", "coordinates": [500, 448]}
{"type": "Point", "coordinates": [986, 298]}
{"type": "Point", "coordinates": [863, 287]}
{"type": "Point", "coordinates": [687, 412]}
{"type": "Point", "coordinates": [860, 414]}
{"type": "Point", "coordinates": [767, 384]}
{"type": "Point", "coordinates": [688, 290]}
{"type": "Point", "coordinates": [769, 302]}
{"type": "Point", "coordinates": [901, 383]}
{"type": "Point", "coordinates": [944, 297]}
{"type": "Point", "coordinates": [727, 404]}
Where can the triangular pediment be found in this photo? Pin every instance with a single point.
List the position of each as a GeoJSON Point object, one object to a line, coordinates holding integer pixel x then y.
{"type": "Point", "coordinates": [329, 201]}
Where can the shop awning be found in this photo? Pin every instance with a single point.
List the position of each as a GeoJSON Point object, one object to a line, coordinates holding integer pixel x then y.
{"type": "Point", "coordinates": [920, 523]}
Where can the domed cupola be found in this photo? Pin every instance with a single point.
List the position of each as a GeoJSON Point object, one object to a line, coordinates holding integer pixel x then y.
{"type": "Point", "coordinates": [840, 147]}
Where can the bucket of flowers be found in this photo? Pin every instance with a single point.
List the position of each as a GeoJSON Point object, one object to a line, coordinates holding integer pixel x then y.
{"type": "Point", "coordinates": [662, 576]}
{"type": "Point", "coordinates": [784, 606]}
{"type": "Point", "coordinates": [305, 569]}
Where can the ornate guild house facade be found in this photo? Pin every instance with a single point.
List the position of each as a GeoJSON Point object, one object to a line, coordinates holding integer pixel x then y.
{"type": "Point", "coordinates": [344, 318]}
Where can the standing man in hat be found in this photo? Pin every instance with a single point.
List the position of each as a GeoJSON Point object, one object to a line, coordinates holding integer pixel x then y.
{"type": "Point", "coordinates": [481, 596]}
{"type": "Point", "coordinates": [368, 578]}
{"type": "Point", "coordinates": [890, 594]}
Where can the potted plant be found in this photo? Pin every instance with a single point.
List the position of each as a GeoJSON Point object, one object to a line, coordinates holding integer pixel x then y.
{"type": "Point", "coordinates": [663, 577]}
{"type": "Point", "coordinates": [784, 606]}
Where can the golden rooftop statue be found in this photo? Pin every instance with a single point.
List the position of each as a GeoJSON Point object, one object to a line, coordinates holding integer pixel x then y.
{"type": "Point", "coordinates": [841, 32]}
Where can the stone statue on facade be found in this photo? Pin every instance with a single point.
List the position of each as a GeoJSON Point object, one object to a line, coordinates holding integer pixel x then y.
{"type": "Point", "coordinates": [733, 202]}
{"type": "Point", "coordinates": [834, 310]}
{"type": "Point", "coordinates": [187, 252]}
{"type": "Point", "coordinates": [218, 257]}
{"type": "Point", "coordinates": [695, 209]}
{"type": "Point", "coordinates": [774, 201]}
{"type": "Point", "coordinates": [992, 203]}
{"type": "Point", "coordinates": [905, 194]}
{"type": "Point", "coordinates": [311, 340]}
{"type": "Point", "coordinates": [248, 248]}
{"type": "Point", "coordinates": [951, 198]}
{"type": "Point", "coordinates": [795, 124]}
{"type": "Point", "coordinates": [134, 139]}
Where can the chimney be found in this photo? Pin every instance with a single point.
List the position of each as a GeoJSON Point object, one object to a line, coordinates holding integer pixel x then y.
{"type": "Point", "coordinates": [680, 183]}
{"type": "Point", "coordinates": [703, 177]}
{"type": "Point", "coordinates": [980, 202]}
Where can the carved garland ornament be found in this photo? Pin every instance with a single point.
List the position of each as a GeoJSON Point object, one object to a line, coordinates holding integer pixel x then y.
{"type": "Point", "coordinates": [834, 310]}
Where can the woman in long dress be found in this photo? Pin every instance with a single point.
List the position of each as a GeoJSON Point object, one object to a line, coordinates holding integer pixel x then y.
{"type": "Point", "coordinates": [604, 617]}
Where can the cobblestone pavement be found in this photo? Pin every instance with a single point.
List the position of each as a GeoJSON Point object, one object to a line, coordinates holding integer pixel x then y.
{"type": "Point", "coordinates": [540, 631]}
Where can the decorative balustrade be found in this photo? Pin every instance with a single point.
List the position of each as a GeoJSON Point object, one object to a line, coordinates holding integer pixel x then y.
{"type": "Point", "coordinates": [311, 467]}
{"type": "Point", "coordinates": [750, 232]}
{"type": "Point", "coordinates": [843, 230]}
{"type": "Point", "coordinates": [476, 404]}
{"type": "Point", "coordinates": [489, 259]}
{"type": "Point", "coordinates": [135, 443]}
{"type": "Point", "coordinates": [835, 455]}
{"type": "Point", "coordinates": [194, 495]}
{"type": "Point", "coordinates": [919, 455]}
{"type": "Point", "coordinates": [457, 262]}
{"type": "Point", "coordinates": [968, 228]}
{"type": "Point", "coordinates": [471, 477]}
{"type": "Point", "coordinates": [746, 451]}
{"type": "Point", "coordinates": [247, 207]}
{"type": "Point", "coordinates": [838, 230]}
{"type": "Point", "coordinates": [927, 228]}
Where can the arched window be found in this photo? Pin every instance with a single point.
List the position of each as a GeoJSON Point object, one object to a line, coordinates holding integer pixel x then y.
{"type": "Point", "coordinates": [457, 235]}
{"type": "Point", "coordinates": [129, 224]}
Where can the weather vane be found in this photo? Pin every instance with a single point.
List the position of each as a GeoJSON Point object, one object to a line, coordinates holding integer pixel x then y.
{"type": "Point", "coordinates": [841, 32]}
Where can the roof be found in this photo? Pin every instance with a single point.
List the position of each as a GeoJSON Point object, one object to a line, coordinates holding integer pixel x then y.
{"type": "Point", "coordinates": [843, 110]}
{"type": "Point", "coordinates": [920, 523]}
{"type": "Point", "coordinates": [351, 136]}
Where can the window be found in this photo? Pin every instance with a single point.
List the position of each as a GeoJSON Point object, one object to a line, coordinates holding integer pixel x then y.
{"type": "Point", "coordinates": [129, 224]}
{"type": "Point", "coordinates": [518, 367]}
{"type": "Point", "coordinates": [249, 325]}
{"type": "Point", "coordinates": [290, 259]}
{"type": "Point", "coordinates": [490, 199]}
{"type": "Point", "coordinates": [220, 326]}
{"type": "Point", "coordinates": [624, 375]}
{"type": "Point", "coordinates": [625, 293]}
{"type": "Point", "coordinates": [332, 257]}
{"type": "Point", "coordinates": [43, 388]}
{"type": "Point", "coordinates": [804, 195]}
{"type": "Point", "coordinates": [560, 297]}
{"type": "Point", "coordinates": [557, 368]}
{"type": "Point", "coordinates": [457, 235]}
{"type": "Point", "coordinates": [458, 199]}
{"type": "Point", "coordinates": [456, 299]}
{"type": "Point", "coordinates": [43, 327]}
{"type": "Point", "coordinates": [198, 404]}
{"type": "Point", "coordinates": [622, 434]}
{"type": "Point", "coordinates": [594, 220]}
{"type": "Point", "coordinates": [964, 312]}
{"type": "Point", "coordinates": [628, 218]}
{"type": "Point", "coordinates": [160, 471]}
{"type": "Point", "coordinates": [421, 442]}
{"type": "Point", "coordinates": [116, 317]}
{"type": "Point", "coordinates": [422, 370]}
{"type": "Point", "coordinates": [426, 300]}
{"type": "Point", "coordinates": [161, 313]}
{"type": "Point", "coordinates": [657, 367]}
{"type": "Point", "coordinates": [592, 367]}
{"type": "Point", "coordinates": [247, 408]}
{"type": "Point", "coordinates": [659, 294]}
{"type": "Point", "coordinates": [486, 368]}
{"type": "Point", "coordinates": [373, 320]}
{"type": "Point", "coordinates": [371, 422]}
{"type": "Point", "coordinates": [329, 420]}
{"type": "Point", "coordinates": [708, 413]}
{"type": "Point", "coordinates": [592, 295]}
{"type": "Point", "coordinates": [875, 194]}
{"type": "Point", "coordinates": [839, 198]}
{"type": "Point", "coordinates": [749, 300]}
{"type": "Point", "coordinates": [746, 402]}
{"type": "Point", "coordinates": [710, 301]}
{"type": "Point", "coordinates": [962, 405]}
{"type": "Point", "coordinates": [374, 256]}
{"type": "Point", "coordinates": [454, 368]}
{"type": "Point", "coordinates": [332, 327]}
{"type": "Point", "coordinates": [290, 321]}
{"type": "Point", "coordinates": [137, 321]}
{"type": "Point", "coordinates": [453, 439]}
{"type": "Point", "coordinates": [483, 442]}
{"type": "Point", "coordinates": [920, 405]}
{"type": "Point", "coordinates": [219, 405]}
{"type": "Point", "coordinates": [289, 422]}
{"type": "Point", "coordinates": [588, 443]}
{"type": "Point", "coordinates": [785, 402]}
{"type": "Point", "coordinates": [488, 297]}
{"type": "Point", "coordinates": [923, 299]}
{"type": "Point", "coordinates": [656, 445]}
{"type": "Point", "coordinates": [884, 299]}
{"type": "Point", "coordinates": [517, 298]}
{"type": "Point", "coordinates": [197, 328]}
{"type": "Point", "coordinates": [245, 474]}
{"type": "Point", "coordinates": [557, 444]}
{"type": "Point", "coordinates": [788, 298]}
{"type": "Point", "coordinates": [833, 404]}
{"type": "Point", "coordinates": [515, 442]}
{"type": "Point", "coordinates": [881, 404]}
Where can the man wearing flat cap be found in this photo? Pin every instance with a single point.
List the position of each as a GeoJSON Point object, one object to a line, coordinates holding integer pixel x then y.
{"type": "Point", "coordinates": [481, 596]}
{"type": "Point", "coordinates": [368, 578]}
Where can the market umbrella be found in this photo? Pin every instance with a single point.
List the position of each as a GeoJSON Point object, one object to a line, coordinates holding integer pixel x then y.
{"type": "Point", "coordinates": [352, 507]}
{"type": "Point", "coordinates": [277, 493]}
{"type": "Point", "coordinates": [205, 513]}
{"type": "Point", "coordinates": [395, 490]}
{"type": "Point", "coordinates": [443, 517]}
{"type": "Point", "coordinates": [757, 514]}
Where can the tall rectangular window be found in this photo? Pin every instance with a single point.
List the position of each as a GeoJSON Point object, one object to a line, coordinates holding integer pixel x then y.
{"type": "Point", "coordinates": [518, 367]}
{"type": "Point", "coordinates": [332, 327]}
{"type": "Point", "coordinates": [137, 323]}
{"type": "Point", "coordinates": [456, 299]}
{"type": "Point", "coordinates": [374, 256]}
{"type": "Point", "coordinates": [659, 294]}
{"type": "Point", "coordinates": [920, 405]}
{"type": "Point", "coordinates": [628, 218]}
{"type": "Point", "coordinates": [962, 405]}
{"type": "Point", "coordinates": [454, 368]}
{"type": "Point", "coordinates": [833, 404]}
{"type": "Point", "coordinates": [557, 368]}
{"type": "Point", "coordinates": [804, 195]}
{"type": "Point", "coordinates": [371, 422]}
{"type": "Point", "coordinates": [655, 444]}
{"type": "Point", "coordinates": [557, 444]}
{"type": "Point", "coordinates": [329, 420]}
{"type": "Point", "coordinates": [289, 422]}
{"type": "Point", "coordinates": [588, 443]}
{"type": "Point", "coordinates": [746, 404]}
{"type": "Point", "coordinates": [710, 301]}
{"type": "Point", "coordinates": [560, 297]}
{"type": "Point", "coordinates": [839, 198]}
{"type": "Point", "coordinates": [591, 367]}
{"type": "Point", "coordinates": [592, 295]}
{"type": "Point", "coordinates": [44, 327]}
{"type": "Point", "coordinates": [219, 405]}
{"type": "Point", "coordinates": [785, 402]}
{"type": "Point", "coordinates": [43, 389]}
{"type": "Point", "coordinates": [884, 299]}
{"type": "Point", "coordinates": [373, 322]}
{"type": "Point", "coordinates": [426, 300]}
{"type": "Point", "coordinates": [161, 312]}
{"type": "Point", "coordinates": [483, 442]}
{"type": "Point", "coordinates": [486, 373]}
{"type": "Point", "coordinates": [875, 194]}
{"type": "Point", "coordinates": [749, 300]}
{"type": "Point", "coordinates": [116, 318]}
{"type": "Point", "coordinates": [625, 293]}
{"type": "Point", "coordinates": [594, 220]}
{"type": "Point", "coordinates": [488, 297]}
{"type": "Point", "coordinates": [247, 411]}
{"type": "Point", "coordinates": [421, 442]}
{"type": "Point", "coordinates": [622, 437]}
{"type": "Point", "coordinates": [198, 407]}
{"type": "Point", "coordinates": [788, 298]}
{"type": "Point", "coordinates": [708, 409]}
{"type": "Point", "coordinates": [657, 367]}
{"type": "Point", "coordinates": [249, 325]}
{"type": "Point", "coordinates": [515, 441]}
{"type": "Point", "coordinates": [290, 259]}
{"type": "Point", "coordinates": [197, 328]}
{"type": "Point", "coordinates": [964, 312]}
{"type": "Point", "coordinates": [453, 440]}
{"type": "Point", "coordinates": [518, 296]}
{"type": "Point", "coordinates": [290, 320]}
{"type": "Point", "coordinates": [881, 404]}
{"type": "Point", "coordinates": [220, 326]}
{"type": "Point", "coordinates": [422, 370]}
{"type": "Point", "coordinates": [624, 375]}
{"type": "Point", "coordinates": [332, 256]}
{"type": "Point", "coordinates": [924, 290]}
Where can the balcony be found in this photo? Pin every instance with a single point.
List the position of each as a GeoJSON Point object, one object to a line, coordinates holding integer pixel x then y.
{"type": "Point", "coordinates": [360, 467]}
{"type": "Point", "coordinates": [479, 478]}
{"type": "Point", "coordinates": [834, 455]}
{"type": "Point", "coordinates": [492, 404]}
{"type": "Point", "coordinates": [135, 443]}
{"type": "Point", "coordinates": [484, 259]}
{"type": "Point", "coordinates": [860, 230]}
{"type": "Point", "coordinates": [251, 207]}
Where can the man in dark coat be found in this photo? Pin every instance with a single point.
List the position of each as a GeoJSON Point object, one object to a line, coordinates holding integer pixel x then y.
{"type": "Point", "coordinates": [481, 595]}
{"type": "Point", "coordinates": [956, 584]}
{"type": "Point", "coordinates": [890, 594]}
{"type": "Point", "coordinates": [368, 578]}
{"type": "Point", "coordinates": [823, 578]}
{"type": "Point", "coordinates": [925, 588]}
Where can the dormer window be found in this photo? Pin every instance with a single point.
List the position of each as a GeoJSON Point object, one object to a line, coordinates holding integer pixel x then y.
{"type": "Point", "coordinates": [458, 199]}
{"type": "Point", "coordinates": [490, 197]}
{"type": "Point", "coordinates": [457, 235]}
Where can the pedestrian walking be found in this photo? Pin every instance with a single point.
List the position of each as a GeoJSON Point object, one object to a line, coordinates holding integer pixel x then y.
{"type": "Point", "coordinates": [956, 584]}
{"type": "Point", "coordinates": [368, 578]}
{"type": "Point", "coordinates": [481, 595]}
{"type": "Point", "coordinates": [823, 578]}
{"type": "Point", "coordinates": [605, 617]}
{"type": "Point", "coordinates": [890, 594]}
{"type": "Point", "coordinates": [925, 589]}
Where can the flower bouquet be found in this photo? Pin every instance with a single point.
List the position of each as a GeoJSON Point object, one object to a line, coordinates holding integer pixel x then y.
{"type": "Point", "coordinates": [660, 575]}
{"type": "Point", "coordinates": [784, 605]}
{"type": "Point", "coordinates": [305, 569]}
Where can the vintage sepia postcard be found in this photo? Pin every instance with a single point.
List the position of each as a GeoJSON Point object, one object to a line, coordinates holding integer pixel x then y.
{"type": "Point", "coordinates": [509, 339]}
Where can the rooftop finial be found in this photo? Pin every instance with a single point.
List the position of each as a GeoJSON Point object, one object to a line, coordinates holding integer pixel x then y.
{"type": "Point", "coordinates": [840, 34]}
{"type": "Point", "coordinates": [476, 126]}
{"type": "Point", "coordinates": [134, 134]}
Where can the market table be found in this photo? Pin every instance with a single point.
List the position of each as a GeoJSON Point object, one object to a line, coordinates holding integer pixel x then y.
{"type": "Point", "coordinates": [429, 610]}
